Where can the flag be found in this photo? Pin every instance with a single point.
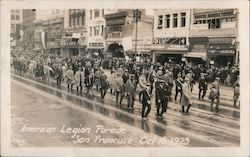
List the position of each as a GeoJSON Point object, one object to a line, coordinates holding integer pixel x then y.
{"type": "Point", "coordinates": [44, 40]}
{"type": "Point", "coordinates": [127, 34]}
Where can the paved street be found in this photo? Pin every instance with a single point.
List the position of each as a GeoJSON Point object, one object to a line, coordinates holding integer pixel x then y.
{"type": "Point", "coordinates": [36, 104]}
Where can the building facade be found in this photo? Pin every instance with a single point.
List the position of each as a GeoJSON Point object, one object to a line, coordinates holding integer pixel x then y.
{"type": "Point", "coordinates": [128, 35]}
{"type": "Point", "coordinates": [29, 15]}
{"type": "Point", "coordinates": [16, 20]}
{"type": "Point", "coordinates": [37, 35]}
{"type": "Point", "coordinates": [96, 31]}
{"type": "Point", "coordinates": [214, 33]}
{"type": "Point", "coordinates": [171, 34]}
{"type": "Point", "coordinates": [74, 39]}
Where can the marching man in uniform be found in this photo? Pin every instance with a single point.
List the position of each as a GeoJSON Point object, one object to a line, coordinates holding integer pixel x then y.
{"type": "Point", "coordinates": [79, 79]}
{"type": "Point", "coordinates": [186, 96]}
{"type": "Point", "coordinates": [69, 77]}
{"type": "Point", "coordinates": [146, 102]}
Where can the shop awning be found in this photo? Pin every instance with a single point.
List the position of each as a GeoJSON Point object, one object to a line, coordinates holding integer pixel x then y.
{"type": "Point", "coordinates": [202, 55]}
{"type": "Point", "coordinates": [198, 39]}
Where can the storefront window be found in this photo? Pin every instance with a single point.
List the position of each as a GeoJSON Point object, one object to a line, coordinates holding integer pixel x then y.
{"type": "Point", "coordinates": [175, 20]}
{"type": "Point", "coordinates": [159, 22]}
{"type": "Point", "coordinates": [167, 23]}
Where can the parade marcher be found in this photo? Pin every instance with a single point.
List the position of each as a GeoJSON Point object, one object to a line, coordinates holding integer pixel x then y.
{"type": "Point", "coordinates": [104, 84]}
{"type": "Point", "coordinates": [97, 77]}
{"type": "Point", "coordinates": [125, 77]}
{"type": "Point", "coordinates": [202, 86]}
{"type": "Point", "coordinates": [236, 91]}
{"type": "Point", "coordinates": [69, 78]}
{"type": "Point", "coordinates": [142, 83]}
{"type": "Point", "coordinates": [151, 81]}
{"type": "Point", "coordinates": [111, 81]}
{"type": "Point", "coordinates": [64, 69]}
{"type": "Point", "coordinates": [162, 93]}
{"type": "Point", "coordinates": [178, 87]}
{"type": "Point", "coordinates": [79, 79]}
{"type": "Point", "coordinates": [215, 94]}
{"type": "Point", "coordinates": [186, 96]}
{"type": "Point", "coordinates": [47, 72]}
{"type": "Point", "coordinates": [118, 86]}
{"type": "Point", "coordinates": [131, 90]}
{"type": "Point", "coordinates": [58, 74]}
{"type": "Point", "coordinates": [89, 81]}
{"type": "Point", "coordinates": [146, 102]}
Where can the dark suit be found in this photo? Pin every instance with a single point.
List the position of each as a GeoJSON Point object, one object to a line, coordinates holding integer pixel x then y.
{"type": "Point", "coordinates": [202, 87]}
{"type": "Point", "coordinates": [161, 99]}
{"type": "Point", "coordinates": [145, 103]}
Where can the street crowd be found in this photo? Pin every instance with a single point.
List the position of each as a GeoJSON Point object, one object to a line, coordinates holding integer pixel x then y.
{"type": "Point", "coordinates": [129, 79]}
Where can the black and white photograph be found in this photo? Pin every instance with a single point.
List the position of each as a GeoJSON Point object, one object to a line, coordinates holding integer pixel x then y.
{"type": "Point", "coordinates": [120, 77]}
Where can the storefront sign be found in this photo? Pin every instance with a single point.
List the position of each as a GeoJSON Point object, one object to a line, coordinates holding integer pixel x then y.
{"type": "Point", "coordinates": [221, 51]}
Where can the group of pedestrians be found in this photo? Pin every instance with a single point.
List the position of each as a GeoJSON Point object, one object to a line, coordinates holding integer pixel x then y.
{"type": "Point", "coordinates": [128, 79]}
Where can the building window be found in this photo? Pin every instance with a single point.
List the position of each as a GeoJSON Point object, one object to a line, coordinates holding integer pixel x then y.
{"type": "Point", "coordinates": [183, 19]}
{"type": "Point", "coordinates": [12, 26]}
{"type": "Point", "coordinates": [96, 13]}
{"type": "Point", "coordinates": [214, 23]}
{"type": "Point", "coordinates": [102, 12]}
{"type": "Point", "coordinates": [159, 22]}
{"type": "Point", "coordinates": [90, 14]}
{"type": "Point", "coordinates": [167, 23]}
{"type": "Point", "coordinates": [17, 17]}
{"type": "Point", "coordinates": [96, 30]}
{"type": "Point", "coordinates": [175, 20]}
{"type": "Point", "coordinates": [73, 22]}
{"type": "Point", "coordinates": [102, 31]}
{"type": "Point", "coordinates": [12, 17]}
{"type": "Point", "coordinates": [80, 20]}
{"type": "Point", "coordinates": [83, 20]}
{"type": "Point", "coordinates": [90, 31]}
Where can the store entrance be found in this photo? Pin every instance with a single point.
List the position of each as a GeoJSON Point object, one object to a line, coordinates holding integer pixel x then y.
{"type": "Point", "coordinates": [223, 60]}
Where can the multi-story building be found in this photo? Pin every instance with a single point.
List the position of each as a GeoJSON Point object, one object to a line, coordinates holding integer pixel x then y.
{"type": "Point", "coordinates": [213, 34]}
{"type": "Point", "coordinates": [96, 31]}
{"type": "Point", "coordinates": [16, 20]}
{"type": "Point", "coordinates": [74, 39]}
{"type": "Point", "coordinates": [125, 36]}
{"type": "Point", "coordinates": [53, 27]}
{"type": "Point", "coordinates": [29, 15]}
{"type": "Point", "coordinates": [171, 34]}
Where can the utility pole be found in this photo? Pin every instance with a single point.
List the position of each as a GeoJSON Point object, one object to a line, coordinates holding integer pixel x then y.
{"type": "Point", "coordinates": [137, 15]}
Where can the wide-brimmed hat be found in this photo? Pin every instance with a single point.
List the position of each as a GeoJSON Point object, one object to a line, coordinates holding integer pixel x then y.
{"type": "Point", "coordinates": [217, 78]}
{"type": "Point", "coordinates": [187, 79]}
{"type": "Point", "coordinates": [161, 81]}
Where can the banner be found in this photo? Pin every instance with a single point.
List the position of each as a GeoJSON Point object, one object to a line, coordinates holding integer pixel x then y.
{"type": "Point", "coordinates": [44, 40]}
{"type": "Point", "coordinates": [127, 43]}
